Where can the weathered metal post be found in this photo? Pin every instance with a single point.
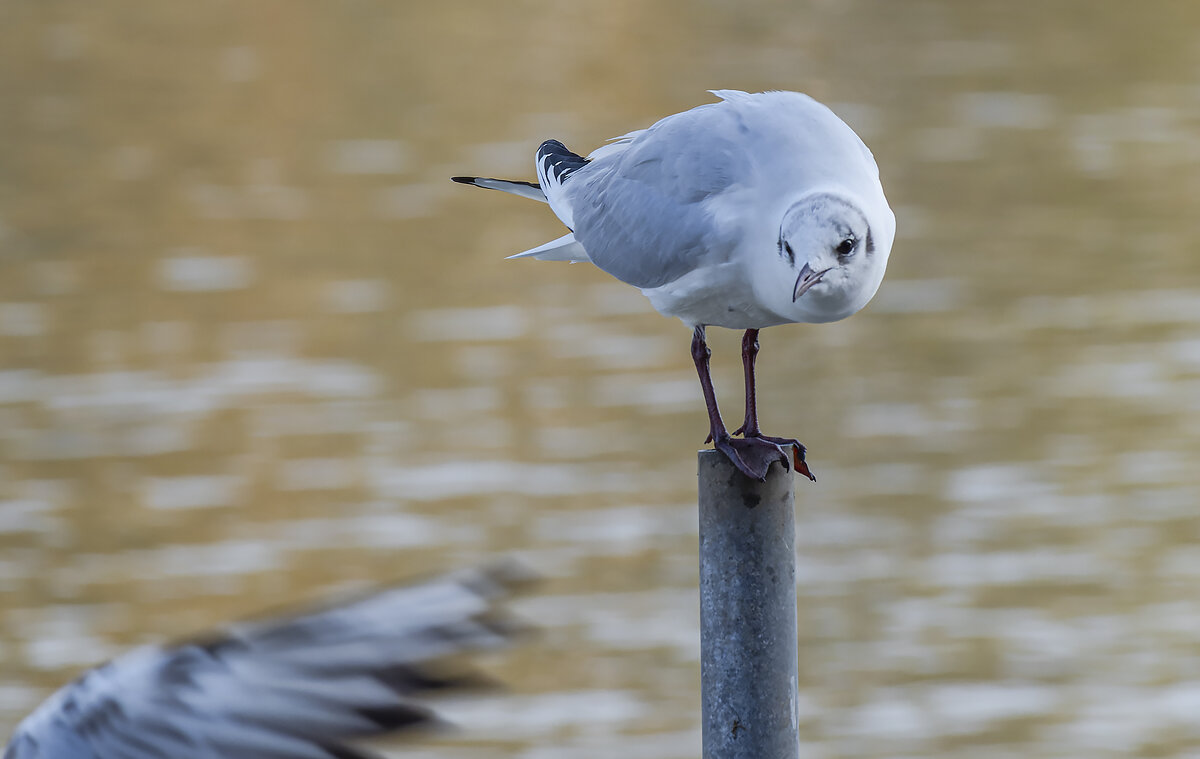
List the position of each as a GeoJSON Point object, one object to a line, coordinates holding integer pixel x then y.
{"type": "Point", "coordinates": [747, 612]}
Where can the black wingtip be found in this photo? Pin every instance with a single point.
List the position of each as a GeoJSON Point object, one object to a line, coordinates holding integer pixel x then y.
{"type": "Point", "coordinates": [558, 160]}
{"type": "Point", "coordinates": [464, 180]}
{"type": "Point", "coordinates": [396, 717]}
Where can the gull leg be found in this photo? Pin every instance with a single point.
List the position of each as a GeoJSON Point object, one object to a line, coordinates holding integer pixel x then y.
{"type": "Point", "coordinates": [700, 356]}
{"type": "Point", "coordinates": [751, 455]}
{"type": "Point", "coordinates": [749, 354]}
{"type": "Point", "coordinates": [749, 427]}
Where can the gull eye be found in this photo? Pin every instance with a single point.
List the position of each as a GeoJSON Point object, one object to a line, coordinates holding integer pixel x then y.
{"type": "Point", "coordinates": [787, 249]}
{"type": "Point", "coordinates": [847, 246]}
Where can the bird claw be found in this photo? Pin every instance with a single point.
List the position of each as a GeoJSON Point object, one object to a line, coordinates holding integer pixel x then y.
{"type": "Point", "coordinates": [798, 451]}
{"type": "Point", "coordinates": [753, 456]}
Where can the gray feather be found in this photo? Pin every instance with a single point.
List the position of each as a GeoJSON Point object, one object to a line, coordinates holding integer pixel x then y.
{"type": "Point", "coordinates": [293, 688]}
{"type": "Point", "coordinates": [641, 213]}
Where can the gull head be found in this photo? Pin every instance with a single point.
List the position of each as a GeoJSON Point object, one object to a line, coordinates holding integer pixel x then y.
{"type": "Point", "coordinates": [833, 257]}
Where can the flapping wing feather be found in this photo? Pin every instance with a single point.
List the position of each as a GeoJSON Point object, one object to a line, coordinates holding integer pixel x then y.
{"type": "Point", "coordinates": [294, 688]}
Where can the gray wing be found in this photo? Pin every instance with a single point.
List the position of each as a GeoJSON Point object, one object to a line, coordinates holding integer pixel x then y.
{"type": "Point", "coordinates": [295, 688]}
{"type": "Point", "coordinates": [641, 212]}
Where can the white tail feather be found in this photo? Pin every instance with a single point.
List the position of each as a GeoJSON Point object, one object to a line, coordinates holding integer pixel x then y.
{"type": "Point", "coordinates": [565, 248]}
{"type": "Point", "coordinates": [524, 189]}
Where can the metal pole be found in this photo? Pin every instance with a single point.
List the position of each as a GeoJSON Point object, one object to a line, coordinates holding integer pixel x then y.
{"type": "Point", "coordinates": [747, 612]}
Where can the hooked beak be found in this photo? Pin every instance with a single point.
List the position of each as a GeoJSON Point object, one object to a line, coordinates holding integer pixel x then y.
{"type": "Point", "coordinates": [807, 279]}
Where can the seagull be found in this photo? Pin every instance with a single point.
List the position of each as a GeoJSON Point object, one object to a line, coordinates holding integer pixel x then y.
{"type": "Point", "coordinates": [758, 210]}
{"type": "Point", "coordinates": [290, 688]}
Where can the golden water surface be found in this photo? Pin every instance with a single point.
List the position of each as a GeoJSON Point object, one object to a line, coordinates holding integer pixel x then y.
{"type": "Point", "coordinates": [255, 346]}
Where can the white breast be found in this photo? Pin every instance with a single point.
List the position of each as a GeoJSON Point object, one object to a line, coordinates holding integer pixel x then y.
{"type": "Point", "coordinates": [717, 296]}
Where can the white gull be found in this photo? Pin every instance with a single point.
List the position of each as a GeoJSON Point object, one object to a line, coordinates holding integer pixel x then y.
{"type": "Point", "coordinates": [759, 210]}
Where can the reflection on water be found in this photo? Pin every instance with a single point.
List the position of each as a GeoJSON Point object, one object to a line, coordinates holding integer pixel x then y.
{"type": "Point", "coordinates": [254, 346]}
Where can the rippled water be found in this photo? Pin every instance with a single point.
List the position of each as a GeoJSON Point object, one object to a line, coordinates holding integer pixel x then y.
{"type": "Point", "coordinates": [254, 346]}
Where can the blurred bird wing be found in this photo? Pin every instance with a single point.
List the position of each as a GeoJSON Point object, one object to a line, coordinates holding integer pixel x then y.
{"type": "Point", "coordinates": [292, 688]}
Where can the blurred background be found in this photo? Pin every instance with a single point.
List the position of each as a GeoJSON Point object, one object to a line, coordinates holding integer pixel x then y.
{"type": "Point", "coordinates": [255, 346]}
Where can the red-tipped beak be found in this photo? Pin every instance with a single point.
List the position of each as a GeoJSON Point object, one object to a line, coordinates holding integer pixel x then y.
{"type": "Point", "coordinates": [807, 279]}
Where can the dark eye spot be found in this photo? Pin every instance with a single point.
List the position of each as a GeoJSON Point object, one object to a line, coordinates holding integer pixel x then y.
{"type": "Point", "coordinates": [847, 246]}
{"type": "Point", "coordinates": [787, 249]}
